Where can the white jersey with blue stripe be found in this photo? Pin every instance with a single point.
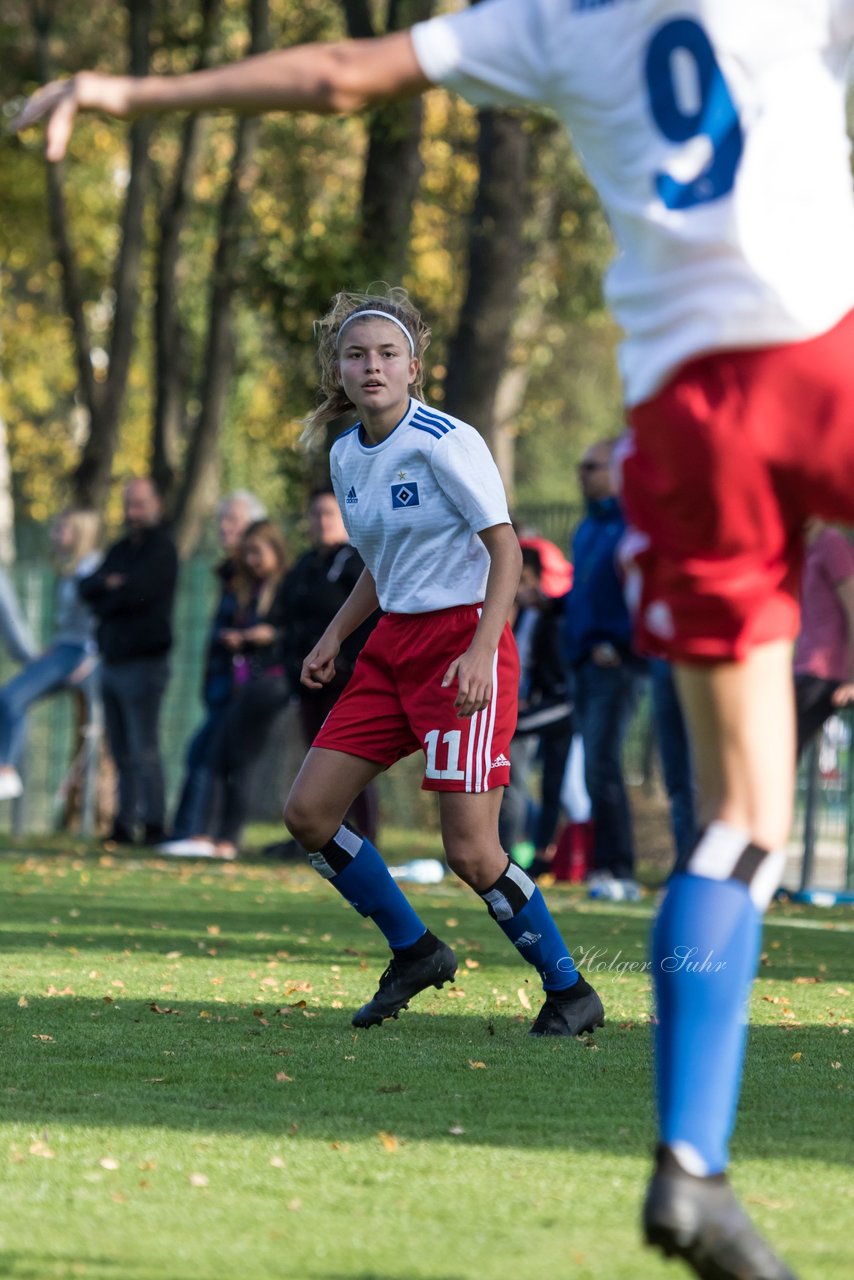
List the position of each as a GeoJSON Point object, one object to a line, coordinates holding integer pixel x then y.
{"type": "Point", "coordinates": [715, 133]}
{"type": "Point", "coordinates": [414, 505]}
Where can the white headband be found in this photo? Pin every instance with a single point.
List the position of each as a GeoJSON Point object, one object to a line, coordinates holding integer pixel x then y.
{"type": "Point", "coordinates": [384, 315]}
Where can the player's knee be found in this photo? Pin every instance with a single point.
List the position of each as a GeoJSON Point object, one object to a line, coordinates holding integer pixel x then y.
{"type": "Point", "coordinates": [304, 822]}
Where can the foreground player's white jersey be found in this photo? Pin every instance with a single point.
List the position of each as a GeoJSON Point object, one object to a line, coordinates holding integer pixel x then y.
{"type": "Point", "coordinates": [413, 506]}
{"type": "Point", "coordinates": [714, 131]}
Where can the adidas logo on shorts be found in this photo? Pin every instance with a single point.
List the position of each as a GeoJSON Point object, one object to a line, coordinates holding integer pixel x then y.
{"type": "Point", "coordinates": [500, 762]}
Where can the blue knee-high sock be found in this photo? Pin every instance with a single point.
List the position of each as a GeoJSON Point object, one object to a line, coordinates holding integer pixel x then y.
{"type": "Point", "coordinates": [354, 867]}
{"type": "Point", "coordinates": [705, 950]}
{"type": "Point", "coordinates": [515, 902]}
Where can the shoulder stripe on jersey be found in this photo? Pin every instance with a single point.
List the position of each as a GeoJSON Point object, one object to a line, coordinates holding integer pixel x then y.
{"type": "Point", "coordinates": [438, 419]}
{"type": "Point", "coordinates": [431, 431]}
{"type": "Point", "coordinates": [436, 425]}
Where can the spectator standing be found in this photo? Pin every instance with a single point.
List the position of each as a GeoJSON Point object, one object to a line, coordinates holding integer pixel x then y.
{"type": "Point", "coordinates": [315, 589]}
{"type": "Point", "coordinates": [15, 635]}
{"type": "Point", "coordinates": [71, 658]}
{"type": "Point", "coordinates": [824, 654]}
{"type": "Point", "coordinates": [254, 636]}
{"type": "Point", "coordinates": [544, 726]}
{"type": "Point", "coordinates": [674, 750]}
{"type": "Point", "coordinates": [132, 595]}
{"type": "Point", "coordinates": [607, 672]}
{"type": "Point", "coordinates": [194, 814]}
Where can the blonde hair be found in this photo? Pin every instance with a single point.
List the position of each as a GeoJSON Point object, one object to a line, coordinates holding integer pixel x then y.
{"type": "Point", "coordinates": [393, 302]}
{"type": "Point", "coordinates": [268, 531]}
{"type": "Point", "coordinates": [85, 528]}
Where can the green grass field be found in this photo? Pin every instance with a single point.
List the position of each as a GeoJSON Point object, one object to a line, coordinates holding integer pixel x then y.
{"type": "Point", "coordinates": [183, 1097]}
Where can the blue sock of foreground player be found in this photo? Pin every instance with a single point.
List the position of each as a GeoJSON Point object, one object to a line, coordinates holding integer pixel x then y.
{"type": "Point", "coordinates": [516, 903]}
{"type": "Point", "coordinates": [705, 949]}
{"type": "Point", "coordinates": [354, 867]}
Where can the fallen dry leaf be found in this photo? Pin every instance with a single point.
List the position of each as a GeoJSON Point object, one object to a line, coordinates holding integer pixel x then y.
{"type": "Point", "coordinates": [108, 1163]}
{"type": "Point", "coordinates": [198, 1180]}
{"type": "Point", "coordinates": [456, 1130]}
{"type": "Point", "coordinates": [282, 1078]}
{"type": "Point", "coordinates": [295, 1205]}
{"type": "Point", "coordinates": [524, 999]}
{"type": "Point", "coordinates": [277, 1162]}
{"type": "Point", "coordinates": [155, 1008]}
{"type": "Point", "coordinates": [40, 1148]}
{"type": "Point", "coordinates": [388, 1140]}
{"type": "Point", "coordinates": [45, 1039]}
{"type": "Point", "coordinates": [477, 1066]}
{"type": "Point", "coordinates": [796, 1057]}
{"type": "Point", "coordinates": [23, 1003]}
{"type": "Point", "coordinates": [472, 964]}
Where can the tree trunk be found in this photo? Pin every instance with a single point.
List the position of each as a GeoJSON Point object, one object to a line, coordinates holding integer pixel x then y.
{"type": "Point", "coordinates": [103, 399]}
{"type": "Point", "coordinates": [170, 362]}
{"type": "Point", "coordinates": [198, 481]}
{"type": "Point", "coordinates": [477, 356]}
{"type": "Point", "coordinates": [393, 165]}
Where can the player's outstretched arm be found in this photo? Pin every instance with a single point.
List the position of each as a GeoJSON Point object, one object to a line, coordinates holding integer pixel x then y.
{"type": "Point", "coordinates": [340, 76]}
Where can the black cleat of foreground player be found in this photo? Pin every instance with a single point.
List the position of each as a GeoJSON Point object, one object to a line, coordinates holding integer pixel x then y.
{"type": "Point", "coordinates": [569, 1017]}
{"type": "Point", "coordinates": [700, 1221]}
{"type": "Point", "coordinates": [402, 980]}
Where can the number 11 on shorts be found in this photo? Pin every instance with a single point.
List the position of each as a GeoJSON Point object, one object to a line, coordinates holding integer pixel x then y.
{"type": "Point", "coordinates": [451, 739]}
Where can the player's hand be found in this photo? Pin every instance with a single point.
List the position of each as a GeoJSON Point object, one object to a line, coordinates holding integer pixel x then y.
{"type": "Point", "coordinates": [844, 695]}
{"type": "Point", "coordinates": [57, 104]}
{"type": "Point", "coordinates": [473, 674]}
{"type": "Point", "coordinates": [319, 667]}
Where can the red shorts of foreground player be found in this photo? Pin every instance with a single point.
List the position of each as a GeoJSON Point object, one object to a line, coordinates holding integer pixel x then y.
{"type": "Point", "coordinates": [720, 472]}
{"type": "Point", "coordinates": [395, 704]}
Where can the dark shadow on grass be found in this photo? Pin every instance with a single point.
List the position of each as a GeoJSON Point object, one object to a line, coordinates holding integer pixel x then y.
{"type": "Point", "coordinates": [460, 1078]}
{"type": "Point", "coordinates": [600, 939]}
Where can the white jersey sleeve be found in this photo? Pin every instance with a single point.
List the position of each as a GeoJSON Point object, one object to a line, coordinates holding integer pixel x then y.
{"type": "Point", "coordinates": [465, 471]}
{"type": "Point", "coordinates": [494, 54]}
{"type": "Point", "coordinates": [842, 14]}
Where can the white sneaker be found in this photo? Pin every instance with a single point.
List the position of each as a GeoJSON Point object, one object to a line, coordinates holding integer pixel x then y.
{"type": "Point", "coordinates": [192, 847]}
{"type": "Point", "coordinates": [617, 891]}
{"type": "Point", "coordinates": [11, 785]}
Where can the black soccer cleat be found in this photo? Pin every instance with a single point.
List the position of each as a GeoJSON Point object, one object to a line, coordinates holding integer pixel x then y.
{"type": "Point", "coordinates": [402, 980]}
{"type": "Point", "coordinates": [701, 1221]}
{"type": "Point", "coordinates": [573, 1017]}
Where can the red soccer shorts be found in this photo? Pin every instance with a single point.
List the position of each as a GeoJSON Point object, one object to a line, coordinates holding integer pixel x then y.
{"type": "Point", "coordinates": [720, 471]}
{"type": "Point", "coordinates": [394, 703]}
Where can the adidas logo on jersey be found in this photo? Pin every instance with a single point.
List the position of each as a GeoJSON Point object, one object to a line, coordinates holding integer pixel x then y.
{"type": "Point", "coordinates": [500, 762]}
{"type": "Point", "coordinates": [351, 496]}
{"type": "Point", "coordinates": [527, 940]}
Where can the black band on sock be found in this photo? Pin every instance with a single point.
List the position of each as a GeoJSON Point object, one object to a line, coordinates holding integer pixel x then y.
{"type": "Point", "coordinates": [425, 946]}
{"type": "Point", "coordinates": [510, 893]}
{"type": "Point", "coordinates": [337, 854]}
{"type": "Point", "coordinates": [748, 863]}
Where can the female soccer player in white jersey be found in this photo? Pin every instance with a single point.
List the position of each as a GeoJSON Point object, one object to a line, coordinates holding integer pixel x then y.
{"type": "Point", "coordinates": [424, 506]}
{"type": "Point", "coordinates": [715, 133]}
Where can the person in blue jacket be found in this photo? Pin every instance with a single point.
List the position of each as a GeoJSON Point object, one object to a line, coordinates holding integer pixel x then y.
{"type": "Point", "coordinates": [607, 672]}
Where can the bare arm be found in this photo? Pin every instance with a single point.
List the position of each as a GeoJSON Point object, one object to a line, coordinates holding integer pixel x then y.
{"type": "Point", "coordinates": [473, 669]}
{"type": "Point", "coordinates": [318, 667]}
{"type": "Point", "coordinates": [341, 76]}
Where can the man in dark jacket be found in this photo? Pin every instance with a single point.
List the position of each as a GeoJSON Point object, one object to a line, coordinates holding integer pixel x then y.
{"type": "Point", "coordinates": [607, 671]}
{"type": "Point", "coordinates": [132, 596]}
{"type": "Point", "coordinates": [316, 587]}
